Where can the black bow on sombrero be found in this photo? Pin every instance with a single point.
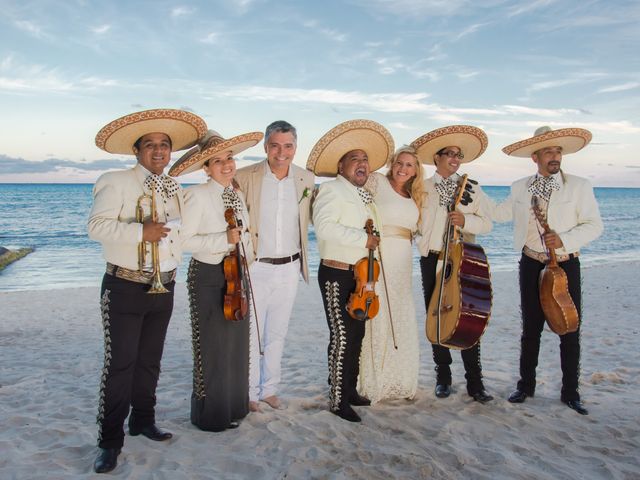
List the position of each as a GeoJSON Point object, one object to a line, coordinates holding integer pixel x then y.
{"type": "Point", "coordinates": [365, 135]}
{"type": "Point", "coordinates": [182, 127]}
{"type": "Point", "coordinates": [571, 140]}
{"type": "Point", "coordinates": [471, 141]}
{"type": "Point", "coordinates": [211, 145]}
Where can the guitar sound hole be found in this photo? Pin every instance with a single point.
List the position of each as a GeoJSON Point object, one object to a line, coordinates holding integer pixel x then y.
{"type": "Point", "coordinates": [447, 271]}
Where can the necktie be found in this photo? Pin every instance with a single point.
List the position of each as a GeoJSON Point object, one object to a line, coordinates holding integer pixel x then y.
{"type": "Point", "coordinates": [230, 199]}
{"type": "Point", "coordinates": [543, 187]}
{"type": "Point", "coordinates": [446, 188]}
{"type": "Point", "coordinates": [161, 184]}
{"type": "Point", "coordinates": [365, 195]}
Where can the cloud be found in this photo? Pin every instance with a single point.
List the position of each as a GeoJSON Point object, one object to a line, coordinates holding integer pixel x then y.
{"type": "Point", "coordinates": [540, 112]}
{"type": "Point", "coordinates": [11, 165]}
{"type": "Point", "coordinates": [401, 126]}
{"type": "Point", "coordinates": [182, 11]}
{"type": "Point", "coordinates": [414, 8]}
{"type": "Point", "coordinates": [620, 88]}
{"type": "Point", "coordinates": [528, 7]}
{"type": "Point", "coordinates": [211, 39]}
{"type": "Point", "coordinates": [25, 78]}
{"type": "Point", "coordinates": [31, 28]}
{"type": "Point", "coordinates": [470, 30]}
{"type": "Point", "coordinates": [101, 29]}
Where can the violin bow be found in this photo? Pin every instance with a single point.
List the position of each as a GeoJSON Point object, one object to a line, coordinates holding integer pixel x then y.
{"type": "Point", "coordinates": [246, 271]}
{"type": "Point", "coordinates": [386, 292]}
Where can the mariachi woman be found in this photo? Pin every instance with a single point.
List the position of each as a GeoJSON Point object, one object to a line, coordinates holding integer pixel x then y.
{"type": "Point", "coordinates": [220, 395]}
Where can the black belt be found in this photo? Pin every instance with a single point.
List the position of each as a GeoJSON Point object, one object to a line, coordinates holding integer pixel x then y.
{"type": "Point", "coordinates": [281, 260]}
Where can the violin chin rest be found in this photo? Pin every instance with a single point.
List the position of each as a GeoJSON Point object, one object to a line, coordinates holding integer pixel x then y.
{"type": "Point", "coordinates": [360, 314]}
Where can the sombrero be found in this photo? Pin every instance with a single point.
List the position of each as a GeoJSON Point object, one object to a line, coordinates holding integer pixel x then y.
{"type": "Point", "coordinates": [570, 139]}
{"type": "Point", "coordinates": [471, 141]}
{"type": "Point", "coordinates": [365, 135]}
{"type": "Point", "coordinates": [183, 128]}
{"type": "Point", "coordinates": [211, 145]}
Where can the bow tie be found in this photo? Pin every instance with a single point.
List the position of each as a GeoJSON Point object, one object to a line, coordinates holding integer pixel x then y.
{"type": "Point", "coordinates": [161, 184]}
{"type": "Point", "coordinates": [230, 199]}
{"type": "Point", "coordinates": [446, 189]}
{"type": "Point", "coordinates": [365, 195]}
{"type": "Point", "coordinates": [543, 187]}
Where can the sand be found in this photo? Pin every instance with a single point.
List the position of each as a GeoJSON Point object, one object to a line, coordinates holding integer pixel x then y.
{"type": "Point", "coordinates": [51, 356]}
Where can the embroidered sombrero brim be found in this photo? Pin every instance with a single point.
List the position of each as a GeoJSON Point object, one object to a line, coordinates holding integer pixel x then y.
{"type": "Point", "coordinates": [365, 135]}
{"type": "Point", "coordinates": [571, 140]}
{"type": "Point", "coordinates": [471, 141]}
{"type": "Point", "coordinates": [183, 128]}
{"type": "Point", "coordinates": [194, 159]}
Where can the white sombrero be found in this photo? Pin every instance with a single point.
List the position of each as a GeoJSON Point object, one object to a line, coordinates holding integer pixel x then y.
{"type": "Point", "coordinates": [211, 145]}
{"type": "Point", "coordinates": [365, 135]}
{"type": "Point", "coordinates": [471, 141]}
{"type": "Point", "coordinates": [570, 139]}
{"type": "Point", "coordinates": [183, 128]}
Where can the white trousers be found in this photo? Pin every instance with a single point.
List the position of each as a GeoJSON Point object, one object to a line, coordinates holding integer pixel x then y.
{"type": "Point", "coordinates": [274, 290]}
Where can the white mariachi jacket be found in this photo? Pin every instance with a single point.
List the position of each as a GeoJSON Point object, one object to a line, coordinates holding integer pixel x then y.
{"type": "Point", "coordinates": [434, 218]}
{"type": "Point", "coordinates": [112, 220]}
{"type": "Point", "coordinates": [204, 228]}
{"type": "Point", "coordinates": [339, 217]}
{"type": "Point", "coordinates": [572, 213]}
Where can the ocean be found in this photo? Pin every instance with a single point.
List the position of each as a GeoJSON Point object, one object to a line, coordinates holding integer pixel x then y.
{"type": "Point", "coordinates": [52, 218]}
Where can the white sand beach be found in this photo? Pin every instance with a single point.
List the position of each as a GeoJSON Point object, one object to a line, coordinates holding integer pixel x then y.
{"type": "Point", "coordinates": [51, 357]}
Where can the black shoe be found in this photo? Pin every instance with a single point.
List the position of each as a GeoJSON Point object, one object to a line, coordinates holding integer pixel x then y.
{"type": "Point", "coordinates": [347, 413]}
{"type": "Point", "coordinates": [442, 390]}
{"type": "Point", "coordinates": [106, 460]}
{"type": "Point", "coordinates": [577, 406]}
{"type": "Point", "coordinates": [358, 400]}
{"type": "Point", "coordinates": [151, 432]}
{"type": "Point", "coordinates": [233, 424]}
{"type": "Point", "coordinates": [482, 396]}
{"type": "Point", "coordinates": [518, 396]}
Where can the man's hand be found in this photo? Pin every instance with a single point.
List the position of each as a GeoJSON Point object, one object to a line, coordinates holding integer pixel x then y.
{"type": "Point", "coordinates": [233, 235]}
{"type": "Point", "coordinates": [457, 218]}
{"type": "Point", "coordinates": [372, 242]}
{"type": "Point", "coordinates": [154, 231]}
{"type": "Point", "coordinates": [552, 240]}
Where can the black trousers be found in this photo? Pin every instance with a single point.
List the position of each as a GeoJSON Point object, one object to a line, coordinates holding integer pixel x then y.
{"type": "Point", "coordinates": [135, 325]}
{"type": "Point", "coordinates": [533, 322]}
{"type": "Point", "coordinates": [441, 354]}
{"type": "Point", "coordinates": [345, 335]}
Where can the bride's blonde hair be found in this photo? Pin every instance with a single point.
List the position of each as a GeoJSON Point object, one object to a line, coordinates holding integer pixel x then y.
{"type": "Point", "coordinates": [414, 186]}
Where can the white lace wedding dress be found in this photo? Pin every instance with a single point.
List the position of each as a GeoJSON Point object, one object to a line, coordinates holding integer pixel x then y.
{"type": "Point", "coordinates": [385, 372]}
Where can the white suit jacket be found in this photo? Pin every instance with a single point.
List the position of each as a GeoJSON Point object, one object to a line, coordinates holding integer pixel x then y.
{"type": "Point", "coordinates": [250, 181]}
{"type": "Point", "coordinates": [339, 216]}
{"type": "Point", "coordinates": [573, 213]}
{"type": "Point", "coordinates": [204, 228]}
{"type": "Point", "coordinates": [476, 217]}
{"type": "Point", "coordinates": [112, 220]}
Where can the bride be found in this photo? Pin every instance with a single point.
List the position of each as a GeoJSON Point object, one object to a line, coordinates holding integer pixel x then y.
{"type": "Point", "coordinates": [387, 372]}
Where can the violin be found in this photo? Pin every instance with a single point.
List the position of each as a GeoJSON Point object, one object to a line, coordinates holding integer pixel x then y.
{"type": "Point", "coordinates": [363, 303]}
{"type": "Point", "coordinates": [236, 302]}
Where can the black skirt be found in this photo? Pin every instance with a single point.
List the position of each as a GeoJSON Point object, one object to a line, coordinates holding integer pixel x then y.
{"type": "Point", "coordinates": [220, 352]}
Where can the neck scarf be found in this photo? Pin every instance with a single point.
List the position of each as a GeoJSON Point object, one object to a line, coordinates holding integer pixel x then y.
{"type": "Point", "coordinates": [446, 189]}
{"type": "Point", "coordinates": [163, 185]}
{"type": "Point", "coordinates": [543, 187]}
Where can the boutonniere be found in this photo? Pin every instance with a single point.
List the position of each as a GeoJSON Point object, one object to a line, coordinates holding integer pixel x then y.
{"type": "Point", "coordinates": [305, 194]}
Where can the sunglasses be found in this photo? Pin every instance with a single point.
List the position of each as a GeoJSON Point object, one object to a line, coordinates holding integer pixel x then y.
{"type": "Point", "coordinates": [451, 154]}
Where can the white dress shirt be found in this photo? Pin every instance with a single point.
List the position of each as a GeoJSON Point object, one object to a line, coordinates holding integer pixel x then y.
{"type": "Point", "coordinates": [279, 217]}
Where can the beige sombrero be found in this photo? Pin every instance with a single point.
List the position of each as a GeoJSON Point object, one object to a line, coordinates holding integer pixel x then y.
{"type": "Point", "coordinates": [570, 139]}
{"type": "Point", "coordinates": [184, 128]}
{"type": "Point", "coordinates": [211, 145]}
{"type": "Point", "coordinates": [365, 135]}
{"type": "Point", "coordinates": [471, 141]}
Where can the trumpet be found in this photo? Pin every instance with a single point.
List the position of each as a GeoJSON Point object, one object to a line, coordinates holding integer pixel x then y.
{"type": "Point", "coordinates": [156, 282]}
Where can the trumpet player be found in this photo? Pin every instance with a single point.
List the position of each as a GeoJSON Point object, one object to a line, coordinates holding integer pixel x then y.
{"type": "Point", "coordinates": [136, 216]}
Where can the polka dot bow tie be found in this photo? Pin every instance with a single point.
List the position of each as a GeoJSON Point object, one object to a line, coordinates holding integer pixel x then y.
{"type": "Point", "coordinates": [543, 187]}
{"type": "Point", "coordinates": [230, 199]}
{"type": "Point", "coordinates": [446, 188]}
{"type": "Point", "coordinates": [163, 185]}
{"type": "Point", "coordinates": [365, 195]}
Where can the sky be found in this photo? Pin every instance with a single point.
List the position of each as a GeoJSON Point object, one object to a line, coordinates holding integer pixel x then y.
{"type": "Point", "coordinates": [69, 67]}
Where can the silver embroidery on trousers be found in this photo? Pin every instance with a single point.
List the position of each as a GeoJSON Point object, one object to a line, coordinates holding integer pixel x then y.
{"type": "Point", "coordinates": [338, 344]}
{"type": "Point", "coordinates": [106, 326]}
{"type": "Point", "coordinates": [198, 375]}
